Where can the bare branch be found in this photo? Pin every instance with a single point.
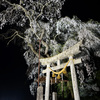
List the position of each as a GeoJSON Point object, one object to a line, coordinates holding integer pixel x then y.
{"type": "Point", "coordinates": [7, 37]}
{"type": "Point", "coordinates": [42, 34]}
{"type": "Point", "coordinates": [30, 45]}
{"type": "Point", "coordinates": [46, 50]}
{"type": "Point", "coordinates": [42, 10]}
{"type": "Point", "coordinates": [25, 11]}
{"type": "Point", "coordinates": [44, 43]}
{"type": "Point", "coordinates": [20, 2]}
{"type": "Point", "coordinates": [20, 36]}
{"type": "Point", "coordinates": [12, 38]}
{"type": "Point", "coordinates": [9, 3]}
{"type": "Point", "coordinates": [28, 16]}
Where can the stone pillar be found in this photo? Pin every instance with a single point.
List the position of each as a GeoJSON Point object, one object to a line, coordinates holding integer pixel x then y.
{"type": "Point", "coordinates": [74, 80]}
{"type": "Point", "coordinates": [54, 96]}
{"type": "Point", "coordinates": [40, 93]}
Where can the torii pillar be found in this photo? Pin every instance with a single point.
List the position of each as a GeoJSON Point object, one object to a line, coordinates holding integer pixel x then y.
{"type": "Point", "coordinates": [74, 79]}
{"type": "Point", "coordinates": [47, 87]}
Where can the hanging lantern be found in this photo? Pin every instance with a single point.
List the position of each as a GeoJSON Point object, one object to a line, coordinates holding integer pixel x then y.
{"type": "Point", "coordinates": [53, 75]}
{"type": "Point", "coordinates": [58, 77]}
{"type": "Point", "coordinates": [64, 72]}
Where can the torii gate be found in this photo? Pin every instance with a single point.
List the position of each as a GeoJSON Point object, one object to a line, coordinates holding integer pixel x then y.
{"type": "Point", "coordinates": [68, 53]}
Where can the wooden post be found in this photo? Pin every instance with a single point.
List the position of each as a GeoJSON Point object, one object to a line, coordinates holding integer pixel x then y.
{"type": "Point", "coordinates": [54, 96]}
{"type": "Point", "coordinates": [40, 93]}
{"type": "Point", "coordinates": [74, 80]}
{"type": "Point", "coordinates": [47, 87]}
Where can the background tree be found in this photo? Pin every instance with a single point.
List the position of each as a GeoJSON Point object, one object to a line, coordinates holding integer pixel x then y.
{"type": "Point", "coordinates": [39, 20]}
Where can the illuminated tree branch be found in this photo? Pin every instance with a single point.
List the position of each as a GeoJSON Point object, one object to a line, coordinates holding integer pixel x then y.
{"type": "Point", "coordinates": [20, 2]}
{"type": "Point", "coordinates": [31, 47]}
{"type": "Point", "coordinates": [10, 3]}
{"type": "Point", "coordinates": [42, 10]}
{"type": "Point", "coordinates": [12, 38]}
{"type": "Point", "coordinates": [30, 20]}
{"type": "Point", "coordinates": [7, 37]}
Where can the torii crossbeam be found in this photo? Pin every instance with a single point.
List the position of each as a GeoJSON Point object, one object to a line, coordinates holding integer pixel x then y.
{"type": "Point", "coordinates": [69, 53]}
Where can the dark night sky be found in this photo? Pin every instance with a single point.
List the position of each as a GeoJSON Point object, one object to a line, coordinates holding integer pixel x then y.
{"type": "Point", "coordinates": [13, 79]}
